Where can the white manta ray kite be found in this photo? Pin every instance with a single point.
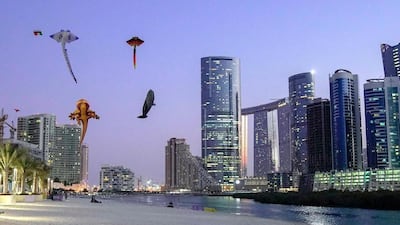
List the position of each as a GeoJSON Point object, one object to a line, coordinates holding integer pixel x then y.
{"type": "Point", "coordinates": [65, 36]}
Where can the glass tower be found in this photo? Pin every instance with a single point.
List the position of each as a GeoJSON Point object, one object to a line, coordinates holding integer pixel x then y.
{"type": "Point", "coordinates": [390, 58]}
{"type": "Point", "coordinates": [319, 136]}
{"type": "Point", "coordinates": [345, 120]}
{"type": "Point", "coordinates": [392, 91]}
{"type": "Point", "coordinates": [220, 115]}
{"type": "Point", "coordinates": [375, 123]}
{"type": "Point", "coordinates": [65, 157]}
{"type": "Point", "coordinates": [271, 135]}
{"type": "Point", "coordinates": [301, 93]}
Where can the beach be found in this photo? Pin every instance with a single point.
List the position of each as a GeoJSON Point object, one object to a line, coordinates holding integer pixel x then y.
{"type": "Point", "coordinates": [79, 211]}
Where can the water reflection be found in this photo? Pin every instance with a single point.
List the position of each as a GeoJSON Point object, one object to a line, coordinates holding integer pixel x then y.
{"type": "Point", "coordinates": [301, 214]}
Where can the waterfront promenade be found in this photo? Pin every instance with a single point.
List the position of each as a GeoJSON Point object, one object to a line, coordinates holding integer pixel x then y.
{"type": "Point", "coordinates": [79, 211]}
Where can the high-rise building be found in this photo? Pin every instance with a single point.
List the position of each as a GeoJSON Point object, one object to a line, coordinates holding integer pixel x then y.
{"type": "Point", "coordinates": [391, 60]}
{"type": "Point", "coordinates": [220, 115]}
{"type": "Point", "coordinates": [38, 129]}
{"type": "Point", "coordinates": [183, 170]}
{"type": "Point", "coordinates": [116, 178]}
{"type": "Point", "coordinates": [319, 136]}
{"type": "Point", "coordinates": [177, 165]}
{"type": "Point", "coordinates": [65, 156]}
{"type": "Point", "coordinates": [271, 137]}
{"type": "Point", "coordinates": [375, 124]}
{"type": "Point", "coordinates": [301, 93]}
{"type": "Point", "coordinates": [392, 92]}
{"type": "Point", "coordinates": [243, 145]}
{"type": "Point", "coordinates": [85, 163]}
{"type": "Point", "coordinates": [345, 121]}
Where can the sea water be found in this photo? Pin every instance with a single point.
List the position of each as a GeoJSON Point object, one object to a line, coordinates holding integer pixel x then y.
{"type": "Point", "coordinates": [286, 213]}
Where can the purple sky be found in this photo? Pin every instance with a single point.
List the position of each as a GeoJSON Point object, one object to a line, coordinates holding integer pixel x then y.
{"type": "Point", "coordinates": [272, 39]}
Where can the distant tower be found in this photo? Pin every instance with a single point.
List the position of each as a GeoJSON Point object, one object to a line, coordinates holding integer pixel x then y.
{"type": "Point", "coordinates": [220, 115]}
{"type": "Point", "coordinates": [85, 163]}
{"type": "Point", "coordinates": [271, 137]}
{"type": "Point", "coordinates": [38, 129]}
{"type": "Point", "coordinates": [391, 60]}
{"type": "Point", "coordinates": [375, 124]}
{"type": "Point", "coordinates": [319, 136]}
{"type": "Point", "coordinates": [392, 102]}
{"type": "Point", "coordinates": [176, 164]}
{"type": "Point", "coordinates": [65, 157]}
{"type": "Point", "coordinates": [243, 145]}
{"type": "Point", "coordinates": [345, 120]}
{"type": "Point", "coordinates": [301, 93]}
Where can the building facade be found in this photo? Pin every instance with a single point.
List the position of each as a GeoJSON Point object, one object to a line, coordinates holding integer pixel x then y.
{"type": "Point", "coordinates": [85, 163]}
{"type": "Point", "coordinates": [319, 136]}
{"type": "Point", "coordinates": [301, 93]}
{"type": "Point", "coordinates": [220, 116]}
{"type": "Point", "coordinates": [271, 137]}
{"type": "Point", "coordinates": [367, 180]}
{"type": "Point", "coordinates": [116, 178]}
{"type": "Point", "coordinates": [375, 123]}
{"type": "Point", "coordinates": [345, 121]}
{"type": "Point", "coordinates": [38, 129]}
{"type": "Point", "coordinates": [392, 92]}
{"type": "Point", "coordinates": [183, 171]}
{"type": "Point", "coordinates": [65, 156]}
{"type": "Point", "coordinates": [391, 61]}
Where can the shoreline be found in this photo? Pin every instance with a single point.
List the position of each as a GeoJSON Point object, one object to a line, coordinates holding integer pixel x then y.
{"type": "Point", "coordinates": [80, 211]}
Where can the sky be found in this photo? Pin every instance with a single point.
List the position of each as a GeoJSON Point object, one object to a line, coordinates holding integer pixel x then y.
{"type": "Point", "coordinates": [272, 39]}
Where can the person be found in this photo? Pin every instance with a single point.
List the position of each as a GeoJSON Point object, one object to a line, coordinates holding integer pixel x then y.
{"type": "Point", "coordinates": [170, 205]}
{"type": "Point", "coordinates": [94, 200]}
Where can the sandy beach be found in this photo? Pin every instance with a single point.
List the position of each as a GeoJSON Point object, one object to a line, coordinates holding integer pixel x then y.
{"type": "Point", "coordinates": [80, 211]}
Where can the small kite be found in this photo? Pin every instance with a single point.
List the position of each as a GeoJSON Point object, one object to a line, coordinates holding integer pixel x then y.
{"type": "Point", "coordinates": [135, 41]}
{"type": "Point", "coordinates": [63, 37]}
{"type": "Point", "coordinates": [148, 103]}
{"type": "Point", "coordinates": [17, 110]}
{"type": "Point", "coordinates": [37, 32]}
{"type": "Point", "coordinates": [82, 115]}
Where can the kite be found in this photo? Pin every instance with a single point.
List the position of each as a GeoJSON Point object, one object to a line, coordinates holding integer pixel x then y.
{"type": "Point", "coordinates": [82, 115]}
{"type": "Point", "coordinates": [135, 41]}
{"type": "Point", "coordinates": [148, 103]}
{"type": "Point", "coordinates": [17, 110]}
{"type": "Point", "coordinates": [37, 32]}
{"type": "Point", "coordinates": [63, 37]}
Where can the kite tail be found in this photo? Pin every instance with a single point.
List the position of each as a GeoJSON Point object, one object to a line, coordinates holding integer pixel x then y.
{"type": "Point", "coordinates": [68, 63]}
{"type": "Point", "coordinates": [134, 57]}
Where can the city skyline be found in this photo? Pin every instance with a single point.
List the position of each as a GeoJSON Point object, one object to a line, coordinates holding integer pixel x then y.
{"type": "Point", "coordinates": [268, 38]}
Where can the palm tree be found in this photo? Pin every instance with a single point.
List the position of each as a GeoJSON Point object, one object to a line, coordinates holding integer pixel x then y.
{"type": "Point", "coordinates": [8, 156]}
{"type": "Point", "coordinates": [42, 172]}
{"type": "Point", "coordinates": [24, 165]}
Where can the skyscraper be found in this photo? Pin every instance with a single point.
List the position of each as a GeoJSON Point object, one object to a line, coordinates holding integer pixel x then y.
{"type": "Point", "coordinates": [271, 137]}
{"type": "Point", "coordinates": [183, 170]}
{"type": "Point", "coordinates": [65, 156]}
{"type": "Point", "coordinates": [220, 115]}
{"type": "Point", "coordinates": [345, 120]}
{"type": "Point", "coordinates": [243, 145]}
{"type": "Point", "coordinates": [390, 58]}
{"type": "Point", "coordinates": [85, 163]}
{"type": "Point", "coordinates": [375, 123]}
{"type": "Point", "coordinates": [301, 93]}
{"type": "Point", "coordinates": [177, 165]}
{"type": "Point", "coordinates": [392, 92]}
{"type": "Point", "coordinates": [319, 136]}
{"type": "Point", "coordinates": [38, 129]}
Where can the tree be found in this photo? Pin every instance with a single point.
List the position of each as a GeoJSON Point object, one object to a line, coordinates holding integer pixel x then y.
{"type": "Point", "coordinates": [24, 164]}
{"type": "Point", "coordinates": [8, 156]}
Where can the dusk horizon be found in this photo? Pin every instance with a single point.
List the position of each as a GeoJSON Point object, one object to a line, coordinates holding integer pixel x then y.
{"type": "Point", "coordinates": [272, 41]}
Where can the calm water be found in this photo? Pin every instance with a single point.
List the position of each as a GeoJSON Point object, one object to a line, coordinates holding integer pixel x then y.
{"type": "Point", "coordinates": [304, 214]}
